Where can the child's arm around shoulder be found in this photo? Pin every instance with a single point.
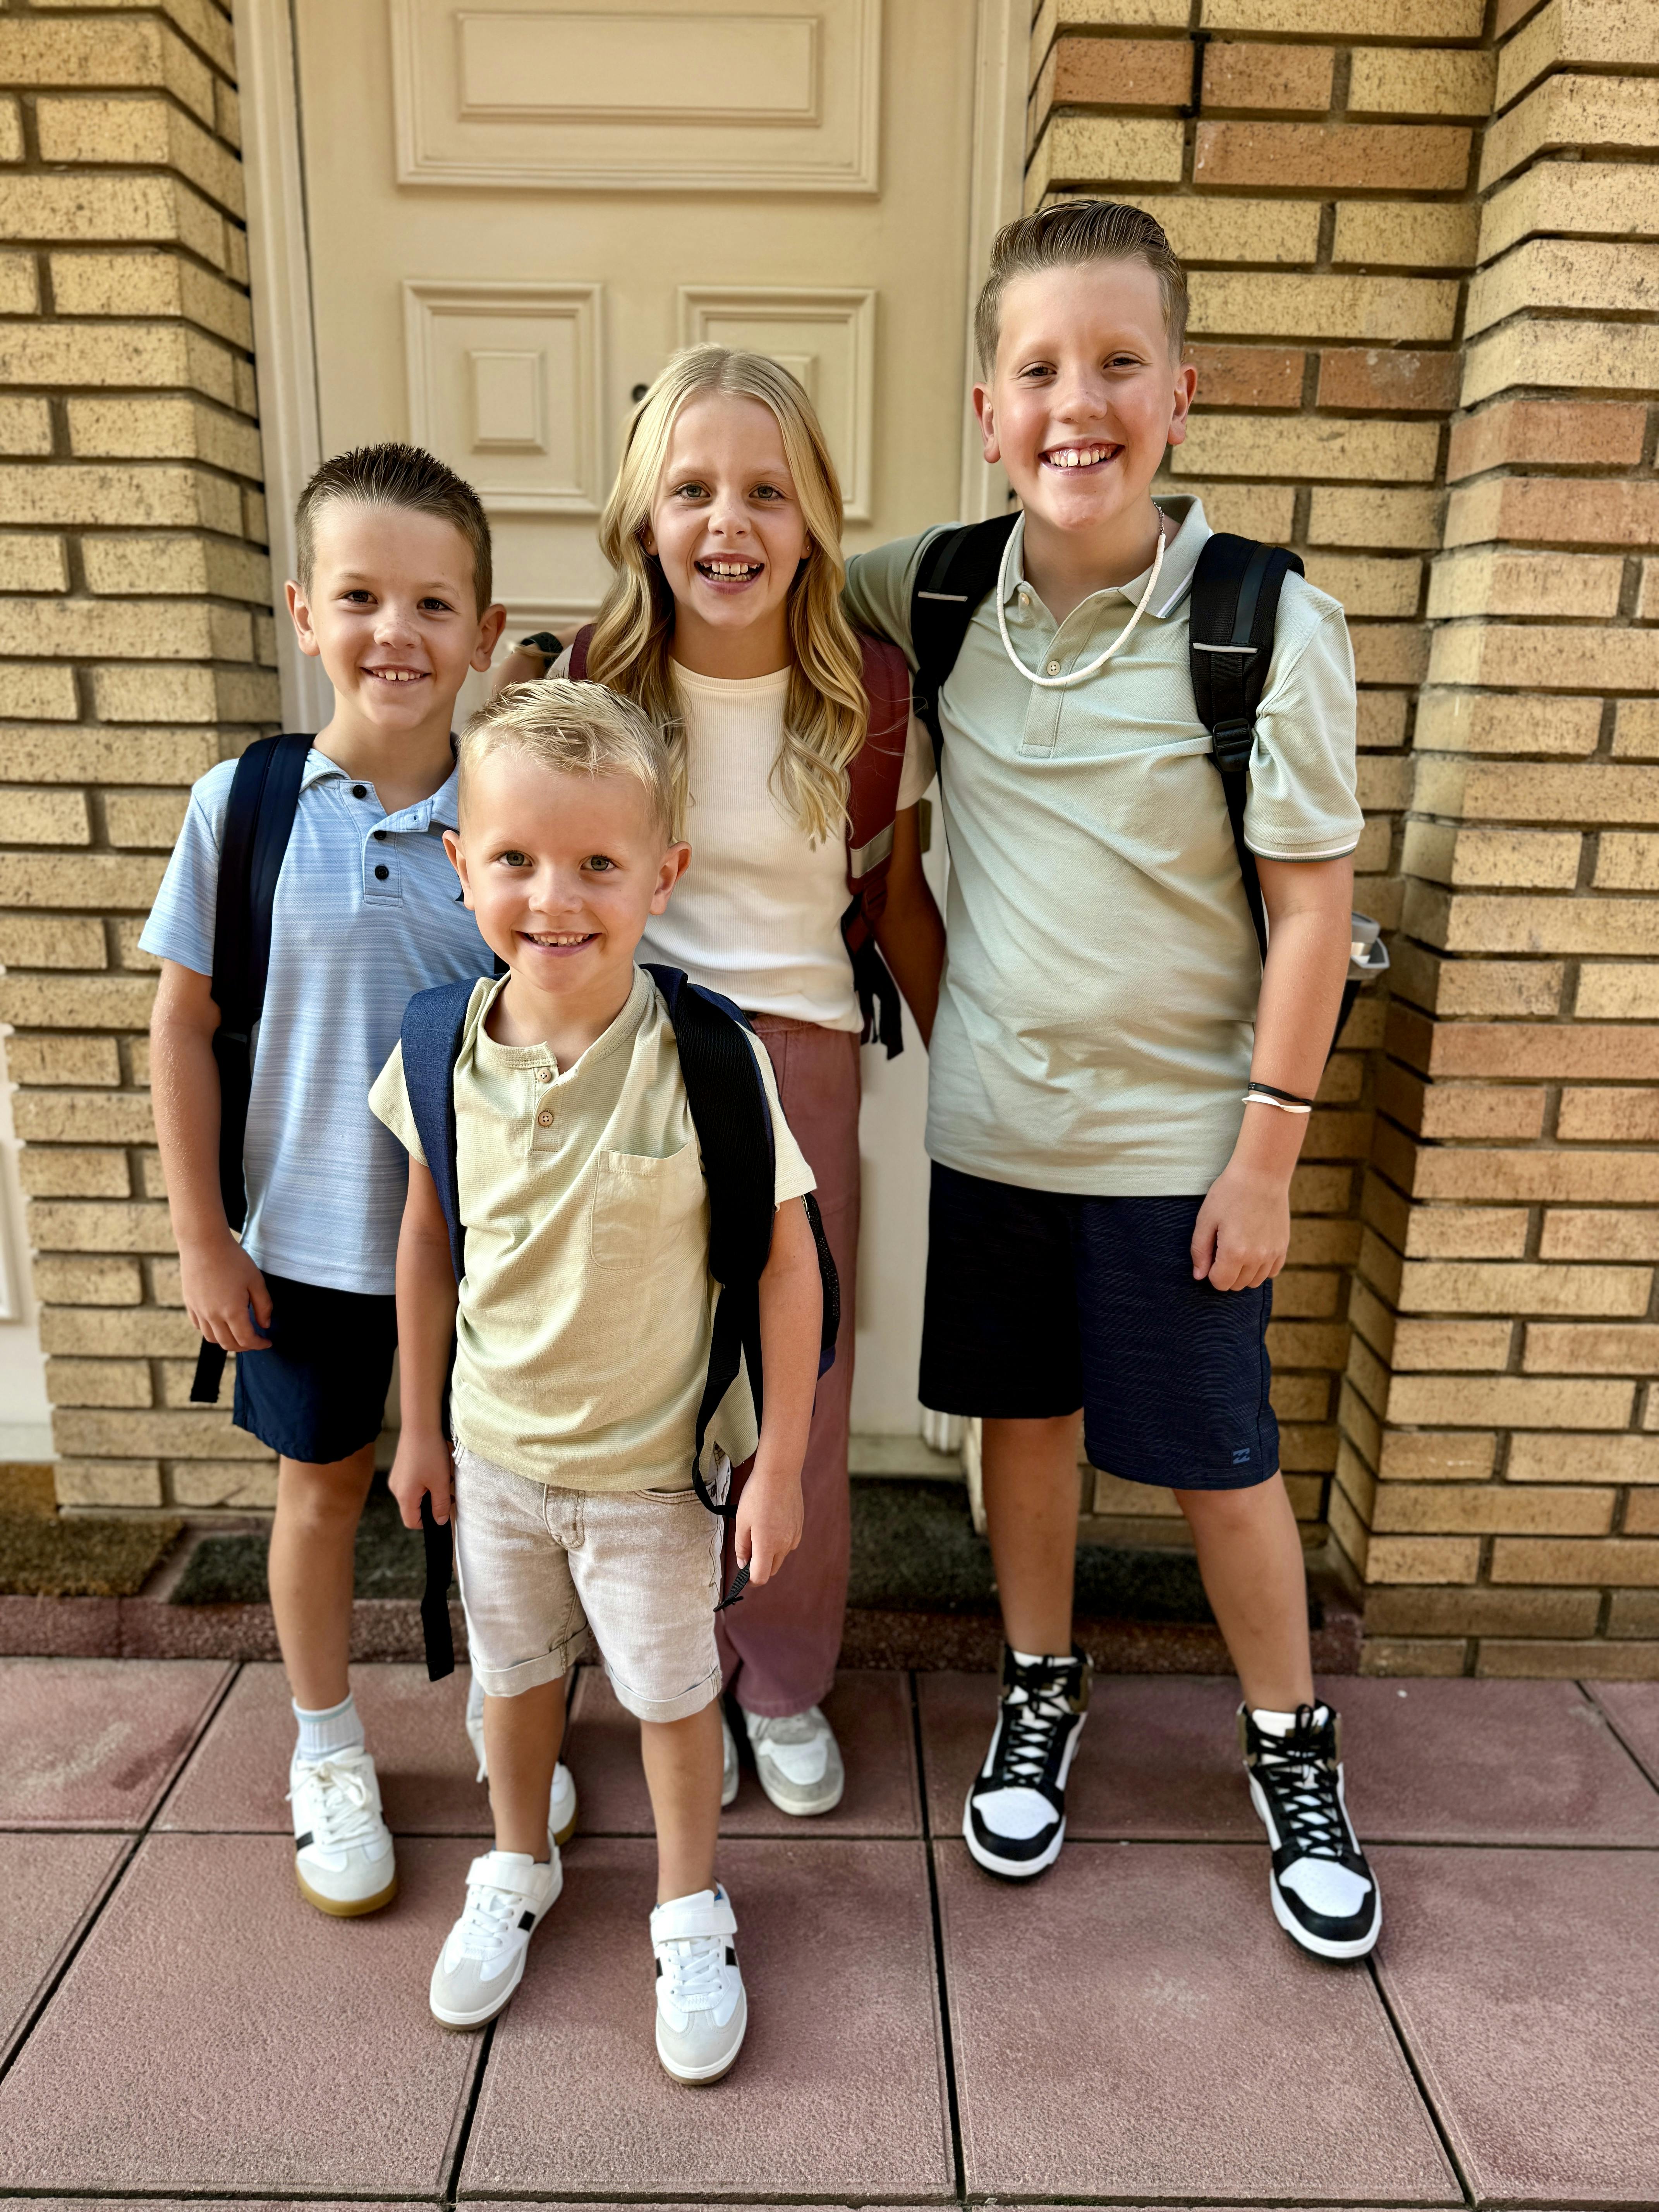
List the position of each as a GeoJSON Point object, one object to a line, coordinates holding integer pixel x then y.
{"type": "Point", "coordinates": [876, 597]}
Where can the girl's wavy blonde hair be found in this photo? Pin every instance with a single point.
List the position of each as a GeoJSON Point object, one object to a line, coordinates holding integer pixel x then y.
{"type": "Point", "coordinates": [825, 717]}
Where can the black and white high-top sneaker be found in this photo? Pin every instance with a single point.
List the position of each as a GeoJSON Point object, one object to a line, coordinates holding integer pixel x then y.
{"type": "Point", "coordinates": [1014, 1822]}
{"type": "Point", "coordinates": [1323, 1892]}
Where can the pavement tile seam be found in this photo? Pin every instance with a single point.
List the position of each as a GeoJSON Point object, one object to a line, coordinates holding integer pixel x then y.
{"type": "Point", "coordinates": [46, 1988]}
{"type": "Point", "coordinates": [936, 1918]}
{"type": "Point", "coordinates": [1591, 1690]}
{"type": "Point", "coordinates": [1422, 2075]}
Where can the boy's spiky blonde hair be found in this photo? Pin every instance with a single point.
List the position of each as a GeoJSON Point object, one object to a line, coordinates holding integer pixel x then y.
{"type": "Point", "coordinates": [1066, 236]}
{"type": "Point", "coordinates": [395, 475]}
{"type": "Point", "coordinates": [576, 729]}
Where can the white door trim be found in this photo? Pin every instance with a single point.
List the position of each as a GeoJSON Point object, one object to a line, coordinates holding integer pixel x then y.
{"type": "Point", "coordinates": [285, 352]}
{"type": "Point", "coordinates": [996, 193]}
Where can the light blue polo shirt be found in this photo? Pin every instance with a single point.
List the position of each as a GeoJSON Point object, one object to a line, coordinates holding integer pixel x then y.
{"type": "Point", "coordinates": [368, 911]}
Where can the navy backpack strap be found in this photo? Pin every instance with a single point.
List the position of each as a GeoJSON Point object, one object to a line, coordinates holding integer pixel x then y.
{"type": "Point", "coordinates": [264, 793]}
{"type": "Point", "coordinates": [433, 1024]}
{"type": "Point", "coordinates": [958, 569]}
{"type": "Point", "coordinates": [1232, 614]}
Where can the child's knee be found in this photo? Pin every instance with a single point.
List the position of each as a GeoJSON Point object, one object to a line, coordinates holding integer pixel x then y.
{"type": "Point", "coordinates": [323, 1496]}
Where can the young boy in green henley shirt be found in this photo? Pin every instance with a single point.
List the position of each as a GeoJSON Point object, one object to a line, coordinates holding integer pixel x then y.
{"type": "Point", "coordinates": [1108, 1212]}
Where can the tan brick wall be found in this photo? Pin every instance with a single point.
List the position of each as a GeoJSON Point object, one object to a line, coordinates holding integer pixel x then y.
{"type": "Point", "coordinates": [1502, 1438]}
{"type": "Point", "coordinates": [136, 650]}
{"type": "Point", "coordinates": [1426, 319]}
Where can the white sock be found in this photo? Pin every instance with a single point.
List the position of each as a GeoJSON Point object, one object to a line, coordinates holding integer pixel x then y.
{"type": "Point", "coordinates": [339, 1728]}
{"type": "Point", "coordinates": [474, 1698]}
{"type": "Point", "coordinates": [1272, 1724]}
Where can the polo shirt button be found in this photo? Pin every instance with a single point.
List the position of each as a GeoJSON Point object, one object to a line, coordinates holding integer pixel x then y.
{"type": "Point", "coordinates": [381, 873]}
{"type": "Point", "coordinates": [1054, 668]}
{"type": "Point", "coordinates": [379, 836]}
{"type": "Point", "coordinates": [360, 791]}
{"type": "Point", "coordinates": [544, 1118]}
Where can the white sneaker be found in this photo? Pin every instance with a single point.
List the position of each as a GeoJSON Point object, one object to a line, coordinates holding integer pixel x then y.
{"type": "Point", "coordinates": [561, 1808]}
{"type": "Point", "coordinates": [482, 1962]}
{"type": "Point", "coordinates": [343, 1856]}
{"type": "Point", "coordinates": [798, 1760]}
{"type": "Point", "coordinates": [728, 1763]}
{"type": "Point", "coordinates": [702, 2012]}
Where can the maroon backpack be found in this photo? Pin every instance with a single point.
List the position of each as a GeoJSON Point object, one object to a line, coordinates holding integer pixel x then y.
{"type": "Point", "coordinates": [873, 775]}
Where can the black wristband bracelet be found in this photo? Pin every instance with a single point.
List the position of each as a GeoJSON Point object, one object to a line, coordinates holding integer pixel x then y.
{"type": "Point", "coordinates": [542, 641]}
{"type": "Point", "coordinates": [1290, 1097]}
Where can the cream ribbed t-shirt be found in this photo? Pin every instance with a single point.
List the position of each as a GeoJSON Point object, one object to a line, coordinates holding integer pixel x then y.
{"type": "Point", "coordinates": [757, 912]}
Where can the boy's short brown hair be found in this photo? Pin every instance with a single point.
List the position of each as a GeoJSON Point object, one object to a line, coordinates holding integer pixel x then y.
{"type": "Point", "coordinates": [1065, 236]}
{"type": "Point", "coordinates": [395, 475]}
{"type": "Point", "coordinates": [575, 729]}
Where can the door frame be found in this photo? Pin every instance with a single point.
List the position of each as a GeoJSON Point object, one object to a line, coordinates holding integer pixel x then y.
{"type": "Point", "coordinates": [279, 262]}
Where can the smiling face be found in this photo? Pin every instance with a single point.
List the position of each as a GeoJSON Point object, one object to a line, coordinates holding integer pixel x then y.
{"type": "Point", "coordinates": [726, 526]}
{"type": "Point", "coordinates": [1084, 396]}
{"type": "Point", "coordinates": [391, 608]}
{"type": "Point", "coordinates": [562, 871]}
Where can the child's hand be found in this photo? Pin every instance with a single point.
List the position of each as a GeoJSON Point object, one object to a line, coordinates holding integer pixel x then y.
{"type": "Point", "coordinates": [768, 1522]}
{"type": "Point", "coordinates": [219, 1284]}
{"type": "Point", "coordinates": [1242, 1232]}
{"type": "Point", "coordinates": [422, 1469]}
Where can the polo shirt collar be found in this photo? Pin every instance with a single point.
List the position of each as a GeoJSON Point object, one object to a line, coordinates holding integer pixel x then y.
{"type": "Point", "coordinates": [442, 809]}
{"type": "Point", "coordinates": [1174, 578]}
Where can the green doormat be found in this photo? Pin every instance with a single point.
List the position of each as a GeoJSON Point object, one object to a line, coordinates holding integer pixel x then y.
{"type": "Point", "coordinates": [231, 1569]}
{"type": "Point", "coordinates": [45, 1555]}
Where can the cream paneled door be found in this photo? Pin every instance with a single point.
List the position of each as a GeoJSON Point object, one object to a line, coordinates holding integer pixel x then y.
{"type": "Point", "coordinates": [515, 212]}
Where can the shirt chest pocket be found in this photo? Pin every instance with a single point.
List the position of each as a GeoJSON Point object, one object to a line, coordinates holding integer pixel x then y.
{"type": "Point", "coordinates": [640, 1205]}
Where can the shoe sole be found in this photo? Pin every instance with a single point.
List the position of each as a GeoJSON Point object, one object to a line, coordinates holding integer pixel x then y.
{"type": "Point", "coordinates": [345, 1908]}
{"type": "Point", "coordinates": [461, 2023]}
{"type": "Point", "coordinates": [802, 1811]}
{"type": "Point", "coordinates": [1008, 1870]}
{"type": "Point", "coordinates": [703, 2077]}
{"type": "Point", "coordinates": [1357, 1947]}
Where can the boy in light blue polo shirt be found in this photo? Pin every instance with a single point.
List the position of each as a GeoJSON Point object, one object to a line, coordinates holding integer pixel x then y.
{"type": "Point", "coordinates": [394, 595]}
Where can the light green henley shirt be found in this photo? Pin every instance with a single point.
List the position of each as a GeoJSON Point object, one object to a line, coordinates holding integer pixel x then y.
{"type": "Point", "coordinates": [1096, 1019]}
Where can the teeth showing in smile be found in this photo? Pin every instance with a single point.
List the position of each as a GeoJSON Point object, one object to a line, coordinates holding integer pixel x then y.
{"type": "Point", "coordinates": [549, 937]}
{"type": "Point", "coordinates": [1079, 457]}
{"type": "Point", "coordinates": [735, 571]}
{"type": "Point", "coordinates": [397, 675]}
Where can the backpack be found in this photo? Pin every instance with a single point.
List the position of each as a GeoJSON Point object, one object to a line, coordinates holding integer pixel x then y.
{"type": "Point", "coordinates": [873, 775]}
{"type": "Point", "coordinates": [733, 1123]}
{"type": "Point", "coordinates": [259, 822]}
{"type": "Point", "coordinates": [1233, 613]}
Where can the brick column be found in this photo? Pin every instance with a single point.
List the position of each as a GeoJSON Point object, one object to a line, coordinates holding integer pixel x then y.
{"type": "Point", "coordinates": [136, 650]}
{"type": "Point", "coordinates": [1319, 185]}
{"type": "Point", "coordinates": [1500, 1472]}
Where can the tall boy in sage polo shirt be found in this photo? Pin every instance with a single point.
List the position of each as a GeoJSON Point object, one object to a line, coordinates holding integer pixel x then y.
{"type": "Point", "coordinates": [394, 595]}
{"type": "Point", "coordinates": [582, 1329]}
{"type": "Point", "coordinates": [1108, 1212]}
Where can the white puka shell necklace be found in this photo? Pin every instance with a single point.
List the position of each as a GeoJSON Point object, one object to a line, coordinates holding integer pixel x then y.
{"type": "Point", "coordinates": [1078, 675]}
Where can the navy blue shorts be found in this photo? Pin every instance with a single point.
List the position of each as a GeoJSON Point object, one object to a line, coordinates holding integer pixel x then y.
{"type": "Point", "coordinates": [1038, 1303]}
{"type": "Point", "coordinates": [319, 1394]}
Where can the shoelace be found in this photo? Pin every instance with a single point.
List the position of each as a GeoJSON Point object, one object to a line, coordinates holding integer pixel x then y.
{"type": "Point", "coordinates": [1029, 1736]}
{"type": "Point", "coordinates": [344, 1813]}
{"type": "Point", "coordinates": [490, 1916]}
{"type": "Point", "coordinates": [1303, 1789]}
{"type": "Point", "coordinates": [693, 1968]}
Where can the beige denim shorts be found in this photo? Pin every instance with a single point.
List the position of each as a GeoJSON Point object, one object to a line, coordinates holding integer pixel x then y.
{"type": "Point", "coordinates": [541, 1570]}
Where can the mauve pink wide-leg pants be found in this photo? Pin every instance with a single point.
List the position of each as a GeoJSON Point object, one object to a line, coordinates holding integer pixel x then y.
{"type": "Point", "coordinates": [778, 1645]}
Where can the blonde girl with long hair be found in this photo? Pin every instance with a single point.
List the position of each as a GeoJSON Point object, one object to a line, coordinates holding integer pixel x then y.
{"type": "Point", "coordinates": [723, 621]}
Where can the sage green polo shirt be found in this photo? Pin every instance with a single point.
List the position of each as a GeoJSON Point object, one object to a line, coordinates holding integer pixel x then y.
{"type": "Point", "coordinates": [583, 1336]}
{"type": "Point", "coordinates": [1096, 1024]}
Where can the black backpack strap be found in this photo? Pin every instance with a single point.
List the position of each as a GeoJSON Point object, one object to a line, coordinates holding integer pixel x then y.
{"type": "Point", "coordinates": [957, 570]}
{"type": "Point", "coordinates": [733, 1120]}
{"type": "Point", "coordinates": [433, 1025]}
{"type": "Point", "coordinates": [258, 821]}
{"type": "Point", "coordinates": [1233, 613]}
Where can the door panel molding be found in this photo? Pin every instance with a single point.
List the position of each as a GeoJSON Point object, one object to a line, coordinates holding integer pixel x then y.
{"type": "Point", "coordinates": [520, 367]}
{"type": "Point", "coordinates": [639, 95]}
{"type": "Point", "coordinates": [826, 338]}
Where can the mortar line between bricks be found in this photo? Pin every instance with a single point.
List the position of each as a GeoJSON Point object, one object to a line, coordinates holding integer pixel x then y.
{"type": "Point", "coordinates": [940, 1982]}
{"type": "Point", "coordinates": [135, 1837]}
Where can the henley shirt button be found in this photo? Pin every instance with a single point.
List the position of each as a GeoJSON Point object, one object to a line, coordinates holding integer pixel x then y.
{"type": "Point", "coordinates": [381, 873]}
{"type": "Point", "coordinates": [1054, 668]}
{"type": "Point", "coordinates": [544, 1118]}
{"type": "Point", "coordinates": [360, 791]}
{"type": "Point", "coordinates": [543, 1075]}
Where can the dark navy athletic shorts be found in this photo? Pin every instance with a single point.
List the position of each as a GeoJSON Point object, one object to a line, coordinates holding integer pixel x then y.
{"type": "Point", "coordinates": [319, 1394]}
{"type": "Point", "coordinates": [1038, 1303]}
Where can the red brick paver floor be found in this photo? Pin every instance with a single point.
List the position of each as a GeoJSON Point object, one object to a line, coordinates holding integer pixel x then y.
{"type": "Point", "coordinates": [176, 2026]}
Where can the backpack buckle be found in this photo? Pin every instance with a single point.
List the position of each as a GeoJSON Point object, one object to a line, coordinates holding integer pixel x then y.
{"type": "Point", "coordinates": [1233, 742]}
